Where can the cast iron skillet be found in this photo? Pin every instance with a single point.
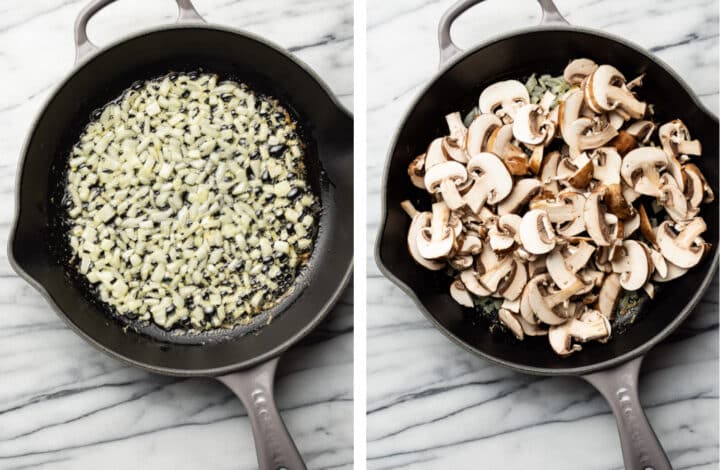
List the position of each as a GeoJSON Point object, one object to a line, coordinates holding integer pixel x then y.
{"type": "Point", "coordinates": [612, 368]}
{"type": "Point", "coordinates": [244, 363]}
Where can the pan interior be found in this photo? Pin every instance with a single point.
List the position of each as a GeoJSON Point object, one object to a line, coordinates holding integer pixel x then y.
{"type": "Point", "coordinates": [326, 129]}
{"type": "Point", "coordinates": [457, 88]}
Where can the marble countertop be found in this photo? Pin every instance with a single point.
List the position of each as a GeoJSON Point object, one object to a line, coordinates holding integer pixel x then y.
{"type": "Point", "coordinates": [434, 405]}
{"type": "Point", "coordinates": [64, 405]}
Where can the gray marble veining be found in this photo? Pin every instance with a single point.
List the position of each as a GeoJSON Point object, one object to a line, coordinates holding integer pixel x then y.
{"type": "Point", "coordinates": [433, 405]}
{"type": "Point", "coordinates": [63, 405]}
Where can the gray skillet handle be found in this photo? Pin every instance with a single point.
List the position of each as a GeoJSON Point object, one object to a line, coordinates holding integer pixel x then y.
{"type": "Point", "coordinates": [273, 444]}
{"type": "Point", "coordinates": [550, 15]}
{"type": "Point", "coordinates": [640, 446]}
{"type": "Point", "coordinates": [83, 45]}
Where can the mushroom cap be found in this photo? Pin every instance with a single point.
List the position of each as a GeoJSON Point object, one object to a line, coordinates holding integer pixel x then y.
{"type": "Point", "coordinates": [531, 126]}
{"type": "Point", "coordinates": [633, 265]}
{"type": "Point", "coordinates": [449, 170]}
{"type": "Point", "coordinates": [494, 175]}
{"type": "Point", "coordinates": [434, 154]}
{"type": "Point", "coordinates": [536, 232]}
{"type": "Point", "coordinates": [683, 254]}
{"type": "Point", "coordinates": [503, 97]}
{"type": "Point", "coordinates": [479, 132]}
{"type": "Point", "coordinates": [577, 70]}
{"type": "Point", "coordinates": [639, 169]}
{"type": "Point", "coordinates": [605, 90]}
{"type": "Point", "coordinates": [419, 222]}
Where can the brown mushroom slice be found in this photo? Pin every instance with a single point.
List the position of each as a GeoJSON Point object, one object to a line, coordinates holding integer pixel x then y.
{"type": "Point", "coordinates": [437, 240]}
{"type": "Point", "coordinates": [672, 272]}
{"type": "Point", "coordinates": [633, 265]}
{"type": "Point", "coordinates": [699, 190]}
{"type": "Point", "coordinates": [565, 211]}
{"type": "Point", "coordinates": [511, 323]}
{"type": "Point", "coordinates": [617, 204]}
{"type": "Point", "coordinates": [460, 294]}
{"type": "Point", "coordinates": [684, 249]}
{"type": "Point", "coordinates": [511, 287]}
{"type": "Point", "coordinates": [577, 70]}
{"type": "Point", "coordinates": [523, 190]}
{"type": "Point", "coordinates": [503, 99]}
{"type": "Point", "coordinates": [609, 295]}
{"type": "Point", "coordinates": [606, 165]}
{"type": "Point", "coordinates": [536, 159]}
{"type": "Point", "coordinates": [420, 221]}
{"type": "Point", "coordinates": [492, 181]}
{"type": "Point", "coordinates": [646, 227]}
{"type": "Point", "coordinates": [641, 130]}
{"type": "Point", "coordinates": [550, 307]}
{"type": "Point", "coordinates": [640, 170]}
{"type": "Point", "coordinates": [606, 90]}
{"type": "Point", "coordinates": [445, 178]}
{"type": "Point", "coordinates": [561, 337]}
{"type": "Point", "coordinates": [577, 172]}
{"type": "Point", "coordinates": [470, 279]}
{"type": "Point", "coordinates": [597, 222]}
{"type": "Point", "coordinates": [536, 232]}
{"type": "Point", "coordinates": [416, 171]}
{"type": "Point", "coordinates": [531, 125]}
{"type": "Point", "coordinates": [479, 133]}
{"type": "Point", "coordinates": [623, 142]}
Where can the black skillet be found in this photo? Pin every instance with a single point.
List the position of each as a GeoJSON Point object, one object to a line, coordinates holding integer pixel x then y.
{"type": "Point", "coordinates": [612, 368]}
{"type": "Point", "coordinates": [244, 360]}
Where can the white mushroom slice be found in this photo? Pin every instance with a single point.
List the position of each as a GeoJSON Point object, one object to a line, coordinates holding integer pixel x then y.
{"type": "Point", "coordinates": [577, 70]}
{"type": "Point", "coordinates": [609, 295]}
{"type": "Point", "coordinates": [606, 165]}
{"type": "Point", "coordinates": [501, 144]}
{"type": "Point", "coordinates": [640, 169]}
{"type": "Point", "coordinates": [500, 240]}
{"type": "Point", "coordinates": [606, 91]}
{"type": "Point", "coordinates": [511, 287]}
{"type": "Point", "coordinates": [492, 181]}
{"type": "Point", "coordinates": [561, 274]}
{"type": "Point", "coordinates": [697, 189]}
{"type": "Point", "coordinates": [460, 262]}
{"type": "Point", "coordinates": [523, 190]}
{"type": "Point", "coordinates": [511, 322]}
{"type": "Point", "coordinates": [631, 225]}
{"type": "Point", "coordinates": [491, 278]}
{"type": "Point", "coordinates": [526, 311]}
{"type": "Point", "coordinates": [569, 111]}
{"type": "Point", "coordinates": [531, 125]}
{"type": "Point", "coordinates": [633, 264]}
{"type": "Point", "coordinates": [460, 294]}
{"type": "Point", "coordinates": [503, 98]}
{"type": "Point", "coordinates": [641, 130]}
{"type": "Point", "coordinates": [685, 249]}
{"type": "Point", "coordinates": [675, 139]}
{"type": "Point", "coordinates": [565, 211]}
{"type": "Point", "coordinates": [579, 256]}
{"type": "Point", "coordinates": [660, 266]}
{"type": "Point", "coordinates": [585, 134]}
{"type": "Point", "coordinates": [420, 221]}
{"type": "Point", "coordinates": [591, 327]}
{"type": "Point", "coordinates": [580, 171]}
{"type": "Point", "coordinates": [530, 329]}
{"type": "Point", "coordinates": [672, 272]}
{"type": "Point", "coordinates": [479, 133]}
{"type": "Point", "coordinates": [454, 144]}
{"type": "Point", "coordinates": [470, 245]}
{"type": "Point", "coordinates": [550, 307]}
{"type": "Point", "coordinates": [416, 171]}
{"type": "Point", "coordinates": [511, 305]}
{"type": "Point", "coordinates": [598, 227]}
{"type": "Point", "coordinates": [548, 98]}
{"type": "Point", "coordinates": [536, 233]}
{"type": "Point", "coordinates": [616, 119]}
{"type": "Point", "coordinates": [434, 154]}
{"type": "Point", "coordinates": [673, 200]}
{"type": "Point", "coordinates": [437, 240]}
{"type": "Point", "coordinates": [548, 172]}
{"type": "Point", "coordinates": [649, 289]}
{"type": "Point", "coordinates": [445, 178]}
{"type": "Point", "coordinates": [470, 279]}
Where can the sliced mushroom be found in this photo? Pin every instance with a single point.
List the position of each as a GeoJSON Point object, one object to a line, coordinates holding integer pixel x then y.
{"type": "Point", "coordinates": [523, 190]}
{"type": "Point", "coordinates": [531, 125]}
{"type": "Point", "coordinates": [675, 139]}
{"type": "Point", "coordinates": [460, 294]}
{"type": "Point", "coordinates": [606, 165]}
{"type": "Point", "coordinates": [552, 307]}
{"type": "Point", "coordinates": [673, 200]}
{"type": "Point", "coordinates": [416, 171]}
{"type": "Point", "coordinates": [437, 240]}
{"type": "Point", "coordinates": [504, 99]}
{"type": "Point", "coordinates": [641, 130]}
{"type": "Point", "coordinates": [646, 227]}
{"type": "Point", "coordinates": [558, 270]}
{"type": "Point", "coordinates": [587, 134]}
{"type": "Point", "coordinates": [536, 232]}
{"type": "Point", "coordinates": [633, 265]}
{"type": "Point", "coordinates": [492, 181]}
{"type": "Point", "coordinates": [605, 91]}
{"type": "Point", "coordinates": [623, 142]}
{"type": "Point", "coordinates": [684, 249]}
{"type": "Point", "coordinates": [578, 171]}
{"type": "Point", "coordinates": [697, 189]}
{"type": "Point", "coordinates": [445, 178]}
{"type": "Point", "coordinates": [511, 322]}
{"type": "Point", "coordinates": [512, 286]}
{"type": "Point", "coordinates": [479, 133]}
{"type": "Point", "coordinates": [491, 278]}
{"type": "Point", "coordinates": [577, 70]}
{"type": "Point", "coordinates": [565, 211]}
{"type": "Point", "coordinates": [434, 154]}
{"type": "Point", "coordinates": [470, 279]}
{"type": "Point", "coordinates": [616, 202]}
{"type": "Point", "coordinates": [609, 295]}
{"type": "Point", "coordinates": [420, 221]}
{"type": "Point", "coordinates": [640, 170]}
{"type": "Point", "coordinates": [590, 327]}
{"type": "Point", "coordinates": [454, 144]}
{"type": "Point", "coordinates": [548, 172]}
{"type": "Point", "coordinates": [672, 272]}
{"type": "Point", "coordinates": [631, 225]}
{"type": "Point", "coordinates": [598, 222]}
{"type": "Point", "coordinates": [660, 266]}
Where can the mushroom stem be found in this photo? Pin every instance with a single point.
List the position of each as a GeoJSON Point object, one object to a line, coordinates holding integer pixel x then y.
{"type": "Point", "coordinates": [409, 209]}
{"type": "Point", "coordinates": [691, 232]}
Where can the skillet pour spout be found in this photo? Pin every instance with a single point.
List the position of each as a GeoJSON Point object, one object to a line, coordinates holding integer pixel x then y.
{"type": "Point", "coordinates": [614, 367]}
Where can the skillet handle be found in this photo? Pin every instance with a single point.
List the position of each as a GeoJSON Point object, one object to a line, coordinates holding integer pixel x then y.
{"type": "Point", "coordinates": [640, 446]}
{"type": "Point", "coordinates": [550, 15]}
{"type": "Point", "coordinates": [83, 45]}
{"type": "Point", "coordinates": [273, 444]}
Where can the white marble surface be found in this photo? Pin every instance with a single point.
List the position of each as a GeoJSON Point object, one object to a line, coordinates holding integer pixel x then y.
{"type": "Point", "coordinates": [63, 405]}
{"type": "Point", "coordinates": [433, 405]}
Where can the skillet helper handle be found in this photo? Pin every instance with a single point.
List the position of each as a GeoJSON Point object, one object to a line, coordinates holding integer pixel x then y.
{"type": "Point", "coordinates": [448, 49]}
{"type": "Point", "coordinates": [640, 446]}
{"type": "Point", "coordinates": [273, 444]}
{"type": "Point", "coordinates": [85, 47]}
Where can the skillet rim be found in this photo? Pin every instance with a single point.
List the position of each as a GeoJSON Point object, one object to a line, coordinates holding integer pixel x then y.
{"type": "Point", "coordinates": [518, 367]}
{"type": "Point", "coordinates": [322, 313]}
